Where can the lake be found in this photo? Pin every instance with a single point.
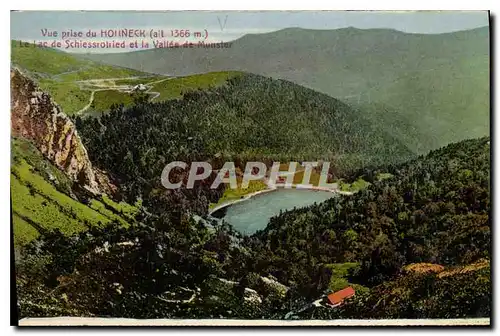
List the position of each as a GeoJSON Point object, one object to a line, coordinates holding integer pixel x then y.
{"type": "Point", "coordinates": [253, 214]}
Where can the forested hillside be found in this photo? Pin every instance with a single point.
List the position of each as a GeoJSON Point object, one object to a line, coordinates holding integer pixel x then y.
{"type": "Point", "coordinates": [414, 243]}
{"type": "Point", "coordinates": [434, 209]}
{"type": "Point", "coordinates": [425, 89]}
{"type": "Point", "coordinates": [249, 118]}
{"type": "Point", "coordinates": [453, 292]}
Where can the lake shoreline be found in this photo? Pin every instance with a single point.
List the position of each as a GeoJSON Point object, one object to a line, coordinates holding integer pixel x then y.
{"type": "Point", "coordinates": [244, 198]}
{"type": "Point", "coordinates": [274, 188]}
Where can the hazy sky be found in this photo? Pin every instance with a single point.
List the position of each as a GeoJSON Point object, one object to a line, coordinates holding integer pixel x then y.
{"type": "Point", "coordinates": [28, 25]}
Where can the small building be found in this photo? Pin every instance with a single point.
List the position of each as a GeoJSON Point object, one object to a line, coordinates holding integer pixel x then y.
{"type": "Point", "coordinates": [139, 87]}
{"type": "Point", "coordinates": [337, 298]}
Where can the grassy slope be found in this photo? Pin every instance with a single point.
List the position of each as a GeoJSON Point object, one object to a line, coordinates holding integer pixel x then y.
{"type": "Point", "coordinates": [427, 90]}
{"type": "Point", "coordinates": [169, 88]}
{"type": "Point", "coordinates": [47, 62]}
{"type": "Point", "coordinates": [67, 94]}
{"type": "Point", "coordinates": [103, 100]}
{"type": "Point", "coordinates": [38, 203]}
{"type": "Point", "coordinates": [57, 73]}
{"type": "Point", "coordinates": [238, 193]}
{"type": "Point", "coordinates": [172, 88]}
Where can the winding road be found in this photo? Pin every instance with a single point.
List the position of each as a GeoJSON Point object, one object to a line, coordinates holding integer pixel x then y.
{"type": "Point", "coordinates": [102, 84]}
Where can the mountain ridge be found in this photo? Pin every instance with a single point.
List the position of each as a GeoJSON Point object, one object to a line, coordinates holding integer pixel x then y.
{"type": "Point", "coordinates": [424, 82]}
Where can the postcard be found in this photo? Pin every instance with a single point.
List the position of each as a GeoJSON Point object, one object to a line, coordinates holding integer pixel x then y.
{"type": "Point", "coordinates": [265, 168]}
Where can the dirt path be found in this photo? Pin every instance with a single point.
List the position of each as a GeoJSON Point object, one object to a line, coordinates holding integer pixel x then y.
{"type": "Point", "coordinates": [108, 79]}
{"type": "Point", "coordinates": [91, 100]}
{"type": "Point", "coordinates": [56, 77]}
{"type": "Point", "coordinates": [157, 94]}
{"type": "Point", "coordinates": [86, 107]}
{"type": "Point", "coordinates": [150, 84]}
{"type": "Point", "coordinates": [101, 83]}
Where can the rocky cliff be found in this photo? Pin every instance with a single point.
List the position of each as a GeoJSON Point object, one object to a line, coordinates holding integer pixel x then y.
{"type": "Point", "coordinates": [35, 116]}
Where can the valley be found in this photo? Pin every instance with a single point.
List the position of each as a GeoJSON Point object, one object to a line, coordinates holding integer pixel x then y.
{"type": "Point", "coordinates": [405, 225]}
{"type": "Point", "coordinates": [414, 86]}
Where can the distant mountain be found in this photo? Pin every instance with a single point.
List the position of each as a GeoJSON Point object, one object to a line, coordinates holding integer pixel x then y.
{"type": "Point", "coordinates": [427, 90]}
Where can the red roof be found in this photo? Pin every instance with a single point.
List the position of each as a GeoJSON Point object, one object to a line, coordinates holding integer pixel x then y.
{"type": "Point", "coordinates": [338, 297]}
